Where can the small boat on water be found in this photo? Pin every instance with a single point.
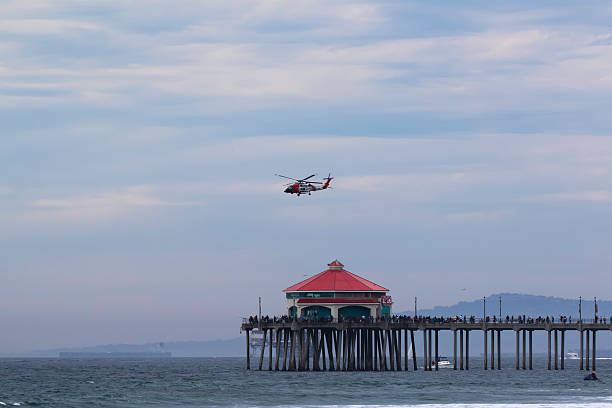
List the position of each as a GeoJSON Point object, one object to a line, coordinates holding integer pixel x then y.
{"type": "Point", "coordinates": [442, 362]}
{"type": "Point", "coordinates": [572, 355]}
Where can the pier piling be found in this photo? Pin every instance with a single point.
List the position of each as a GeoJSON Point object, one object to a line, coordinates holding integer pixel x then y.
{"type": "Point", "coordinates": [340, 349]}
{"type": "Point", "coordinates": [517, 348]}
{"type": "Point", "coordinates": [524, 349]}
{"type": "Point", "coordinates": [484, 335]}
{"type": "Point", "coordinates": [531, 349]}
{"type": "Point", "coordinates": [413, 347]}
{"type": "Point", "coordinates": [492, 349]}
{"type": "Point", "coordinates": [278, 343]}
{"type": "Point", "coordinates": [454, 349]}
{"type": "Point", "coordinates": [343, 340]}
{"type": "Point", "coordinates": [382, 359]}
{"type": "Point", "coordinates": [436, 346]}
{"type": "Point", "coordinates": [406, 349]}
{"type": "Point", "coordinates": [499, 332]}
{"type": "Point", "coordinates": [356, 351]}
{"type": "Point", "coordinates": [467, 349]}
{"type": "Point", "coordinates": [285, 347]}
{"type": "Point", "coordinates": [376, 357]}
{"type": "Point", "coordinates": [322, 350]}
{"type": "Point", "coordinates": [425, 367]}
{"type": "Point", "coordinates": [563, 349]}
{"type": "Point", "coordinates": [292, 351]}
{"type": "Point", "coordinates": [330, 350]}
{"type": "Point", "coordinates": [429, 349]}
{"type": "Point", "coordinates": [461, 349]}
{"type": "Point", "coordinates": [398, 349]}
{"type": "Point", "coordinates": [587, 350]}
{"type": "Point", "coordinates": [391, 343]}
{"type": "Point", "coordinates": [581, 350]}
{"type": "Point", "coordinates": [248, 350]}
{"type": "Point", "coordinates": [549, 351]}
{"type": "Point", "coordinates": [270, 350]}
{"type": "Point", "coordinates": [556, 352]}
{"type": "Point", "coordinates": [263, 350]}
{"type": "Point", "coordinates": [594, 348]}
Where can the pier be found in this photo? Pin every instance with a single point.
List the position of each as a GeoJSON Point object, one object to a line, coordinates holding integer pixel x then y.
{"type": "Point", "coordinates": [339, 321]}
{"type": "Point", "coordinates": [386, 344]}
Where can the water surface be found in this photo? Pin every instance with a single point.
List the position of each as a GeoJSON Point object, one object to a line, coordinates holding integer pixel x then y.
{"type": "Point", "coordinates": [206, 382]}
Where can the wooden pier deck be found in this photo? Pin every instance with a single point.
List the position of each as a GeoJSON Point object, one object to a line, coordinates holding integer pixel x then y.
{"type": "Point", "coordinates": [378, 345]}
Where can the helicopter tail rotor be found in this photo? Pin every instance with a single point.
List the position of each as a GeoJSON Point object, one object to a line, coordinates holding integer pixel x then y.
{"type": "Point", "coordinates": [328, 180]}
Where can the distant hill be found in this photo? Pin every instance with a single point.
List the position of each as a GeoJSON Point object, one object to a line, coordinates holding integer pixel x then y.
{"type": "Point", "coordinates": [520, 304]}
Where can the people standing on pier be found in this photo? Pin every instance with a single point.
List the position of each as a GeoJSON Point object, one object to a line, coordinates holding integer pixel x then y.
{"type": "Point", "coordinates": [254, 320]}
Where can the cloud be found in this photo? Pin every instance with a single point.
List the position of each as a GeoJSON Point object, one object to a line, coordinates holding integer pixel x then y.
{"type": "Point", "coordinates": [227, 187]}
{"type": "Point", "coordinates": [230, 56]}
{"type": "Point", "coordinates": [213, 17]}
{"type": "Point", "coordinates": [413, 187]}
{"type": "Point", "coordinates": [593, 196]}
{"type": "Point", "coordinates": [44, 26]}
{"type": "Point", "coordinates": [101, 206]}
{"type": "Point", "coordinates": [475, 216]}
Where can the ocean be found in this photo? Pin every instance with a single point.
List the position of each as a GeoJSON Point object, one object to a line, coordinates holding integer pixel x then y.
{"type": "Point", "coordinates": [223, 382]}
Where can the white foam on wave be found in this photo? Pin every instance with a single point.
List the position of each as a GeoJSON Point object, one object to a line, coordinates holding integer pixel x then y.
{"type": "Point", "coordinates": [583, 404]}
{"type": "Point", "coordinates": [2, 403]}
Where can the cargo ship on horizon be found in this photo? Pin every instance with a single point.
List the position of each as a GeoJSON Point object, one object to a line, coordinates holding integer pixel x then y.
{"type": "Point", "coordinates": [115, 354]}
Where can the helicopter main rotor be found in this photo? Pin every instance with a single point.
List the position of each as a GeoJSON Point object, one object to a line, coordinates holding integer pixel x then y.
{"type": "Point", "coordinates": [301, 180]}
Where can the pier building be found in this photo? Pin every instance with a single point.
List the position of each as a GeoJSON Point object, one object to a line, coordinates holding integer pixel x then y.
{"type": "Point", "coordinates": [337, 294]}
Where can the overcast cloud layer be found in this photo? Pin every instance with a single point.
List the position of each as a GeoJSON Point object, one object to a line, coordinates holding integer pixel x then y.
{"type": "Point", "coordinates": [470, 143]}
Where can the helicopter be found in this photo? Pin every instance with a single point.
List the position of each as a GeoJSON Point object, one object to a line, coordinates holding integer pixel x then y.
{"type": "Point", "coordinates": [301, 186]}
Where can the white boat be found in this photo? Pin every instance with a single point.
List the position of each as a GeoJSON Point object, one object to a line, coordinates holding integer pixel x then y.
{"type": "Point", "coordinates": [442, 362]}
{"type": "Point", "coordinates": [572, 355]}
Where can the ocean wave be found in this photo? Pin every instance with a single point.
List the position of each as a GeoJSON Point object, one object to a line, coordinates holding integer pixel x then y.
{"type": "Point", "coordinates": [603, 402]}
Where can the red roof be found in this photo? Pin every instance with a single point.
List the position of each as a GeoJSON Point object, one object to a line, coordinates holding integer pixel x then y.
{"type": "Point", "coordinates": [336, 300]}
{"type": "Point", "coordinates": [336, 279]}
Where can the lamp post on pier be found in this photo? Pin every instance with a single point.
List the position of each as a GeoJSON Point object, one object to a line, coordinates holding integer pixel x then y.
{"type": "Point", "coordinates": [484, 308]}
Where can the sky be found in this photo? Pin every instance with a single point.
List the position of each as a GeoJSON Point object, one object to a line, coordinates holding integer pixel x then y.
{"type": "Point", "coordinates": [470, 145]}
